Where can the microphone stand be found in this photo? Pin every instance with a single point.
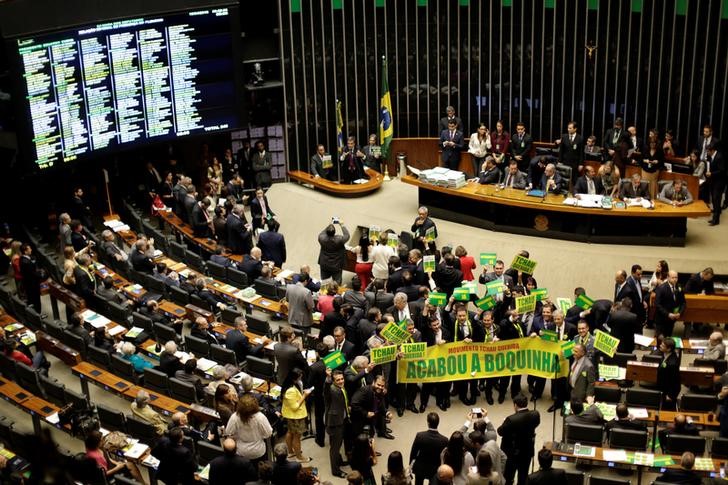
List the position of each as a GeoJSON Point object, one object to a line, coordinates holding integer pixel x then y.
{"type": "Point", "coordinates": [553, 424]}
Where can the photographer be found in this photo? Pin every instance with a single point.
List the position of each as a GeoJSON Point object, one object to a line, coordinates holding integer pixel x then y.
{"type": "Point", "coordinates": [332, 256]}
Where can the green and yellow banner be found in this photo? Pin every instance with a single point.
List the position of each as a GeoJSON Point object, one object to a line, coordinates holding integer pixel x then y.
{"type": "Point", "coordinates": [460, 360]}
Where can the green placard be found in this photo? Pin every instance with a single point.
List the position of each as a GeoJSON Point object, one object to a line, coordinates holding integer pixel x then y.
{"type": "Point", "coordinates": [374, 232]}
{"type": "Point", "coordinates": [495, 287]}
{"type": "Point", "coordinates": [525, 304]}
{"type": "Point", "coordinates": [540, 293]}
{"type": "Point", "coordinates": [470, 285]}
{"type": "Point", "coordinates": [461, 294]}
{"type": "Point", "coordinates": [334, 359]}
{"type": "Point", "coordinates": [428, 263]}
{"type": "Point", "coordinates": [488, 259]}
{"type": "Point", "coordinates": [584, 302]}
{"type": "Point", "coordinates": [568, 349]}
{"type": "Point", "coordinates": [605, 343]}
{"type": "Point", "coordinates": [295, 6]}
{"type": "Point", "coordinates": [524, 265]}
{"type": "Point", "coordinates": [392, 240]}
{"type": "Point", "coordinates": [326, 162]}
{"type": "Point", "coordinates": [608, 372]}
{"type": "Point", "coordinates": [382, 355]}
{"type": "Point", "coordinates": [564, 304]}
{"type": "Point", "coordinates": [678, 342]}
{"type": "Point", "coordinates": [438, 299]}
{"type": "Point", "coordinates": [414, 350]}
{"type": "Point", "coordinates": [485, 303]}
{"type": "Point", "coordinates": [430, 234]}
{"type": "Point", "coordinates": [395, 333]}
{"type": "Point", "coordinates": [550, 335]}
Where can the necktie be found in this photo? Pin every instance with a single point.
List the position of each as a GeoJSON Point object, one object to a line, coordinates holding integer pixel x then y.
{"type": "Point", "coordinates": [509, 181]}
{"type": "Point", "coordinates": [616, 136]}
{"type": "Point", "coordinates": [590, 184]}
{"type": "Point", "coordinates": [571, 138]}
{"type": "Point", "coordinates": [264, 208]}
{"type": "Point", "coordinates": [519, 329]}
{"type": "Point", "coordinates": [451, 135]}
{"type": "Point", "coordinates": [346, 401]}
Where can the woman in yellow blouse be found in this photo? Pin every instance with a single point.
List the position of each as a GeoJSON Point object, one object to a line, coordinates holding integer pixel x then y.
{"type": "Point", "coordinates": [294, 411]}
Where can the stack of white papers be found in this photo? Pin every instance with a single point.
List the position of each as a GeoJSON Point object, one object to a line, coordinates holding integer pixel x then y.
{"type": "Point", "coordinates": [643, 340]}
{"type": "Point", "coordinates": [614, 455]}
{"type": "Point", "coordinates": [94, 319]}
{"type": "Point", "coordinates": [205, 364]}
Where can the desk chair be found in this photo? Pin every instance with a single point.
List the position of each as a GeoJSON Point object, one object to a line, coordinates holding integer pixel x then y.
{"type": "Point", "coordinates": [654, 359]}
{"type": "Point", "coordinates": [236, 277]}
{"type": "Point", "coordinates": [700, 403]}
{"type": "Point", "coordinates": [141, 430]}
{"type": "Point", "coordinates": [223, 355]}
{"type": "Point", "coordinates": [119, 313]}
{"type": "Point", "coordinates": [719, 448]}
{"type": "Point", "coordinates": [164, 333]}
{"type": "Point", "coordinates": [607, 481]}
{"type": "Point", "coordinates": [610, 394]}
{"type": "Point", "coordinates": [628, 439]}
{"type": "Point", "coordinates": [98, 356]}
{"type": "Point", "coordinates": [720, 366]}
{"type": "Point", "coordinates": [76, 342]}
{"type": "Point", "coordinates": [574, 478]}
{"type": "Point", "coordinates": [266, 289]}
{"type": "Point", "coordinates": [78, 400]}
{"type": "Point", "coordinates": [182, 391]}
{"type": "Point", "coordinates": [177, 251]}
{"type": "Point", "coordinates": [198, 346]}
{"type": "Point", "coordinates": [111, 419]}
{"type": "Point", "coordinates": [156, 381]}
{"type": "Point", "coordinates": [677, 444]}
{"type": "Point", "coordinates": [179, 296]}
{"type": "Point", "coordinates": [619, 359]}
{"type": "Point", "coordinates": [142, 321]}
{"type": "Point", "coordinates": [217, 271]}
{"type": "Point", "coordinates": [260, 326]}
{"type": "Point", "coordinates": [206, 452]}
{"type": "Point", "coordinates": [229, 315]}
{"type": "Point", "coordinates": [8, 367]}
{"type": "Point", "coordinates": [260, 368]}
{"type": "Point", "coordinates": [195, 261]}
{"type": "Point", "coordinates": [587, 434]}
{"type": "Point", "coordinates": [643, 398]}
{"type": "Point", "coordinates": [124, 369]}
{"type": "Point", "coordinates": [54, 391]}
{"type": "Point", "coordinates": [28, 378]}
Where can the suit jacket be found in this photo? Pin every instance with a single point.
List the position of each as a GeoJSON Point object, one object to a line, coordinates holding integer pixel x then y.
{"type": "Point", "coordinates": [300, 305]}
{"type": "Point", "coordinates": [547, 477]}
{"type": "Point", "coordinates": [177, 464]}
{"type": "Point", "coordinates": [141, 262]}
{"type": "Point", "coordinates": [590, 415]}
{"type": "Point", "coordinates": [489, 176]}
{"type": "Point", "coordinates": [239, 238]}
{"type": "Point", "coordinates": [625, 424]}
{"type": "Point", "coordinates": [231, 470]}
{"type": "Point", "coordinates": [333, 249]}
{"type": "Point", "coordinates": [317, 168]}
{"type": "Point", "coordinates": [623, 325]}
{"type": "Point", "coordinates": [668, 376]}
{"type": "Point", "coordinates": [626, 291]}
{"type": "Point", "coordinates": [520, 180]}
{"type": "Point", "coordinates": [717, 169]}
{"type": "Point", "coordinates": [666, 302]}
{"type": "Point", "coordinates": [285, 472]}
{"type": "Point", "coordinates": [522, 146]}
{"type": "Point", "coordinates": [425, 452]}
{"type": "Point", "coordinates": [239, 343]}
{"type": "Point", "coordinates": [78, 241]}
{"type": "Point", "coordinates": [491, 276]}
{"type": "Point", "coordinates": [261, 164]}
{"type": "Point", "coordinates": [609, 138]}
{"type": "Point", "coordinates": [627, 191]}
{"type": "Point", "coordinates": [110, 249]}
{"type": "Point", "coordinates": [518, 433]}
{"type": "Point", "coordinates": [335, 405]}
{"type": "Point", "coordinates": [421, 230]}
{"type": "Point", "coordinates": [582, 186]}
{"type": "Point", "coordinates": [198, 221]}
{"type": "Point", "coordinates": [683, 477]}
{"type": "Point", "coordinates": [256, 211]}
{"type": "Point", "coordinates": [169, 364]}
{"type": "Point", "coordinates": [273, 246]}
{"type": "Point", "coordinates": [288, 357]}
{"type": "Point", "coordinates": [696, 284]}
{"type": "Point", "coordinates": [559, 183]}
{"type": "Point", "coordinates": [583, 385]}
{"type": "Point", "coordinates": [668, 195]}
{"type": "Point", "coordinates": [444, 120]}
{"type": "Point", "coordinates": [85, 284]}
{"type": "Point", "coordinates": [637, 301]}
{"type": "Point", "coordinates": [451, 154]}
{"type": "Point", "coordinates": [571, 153]}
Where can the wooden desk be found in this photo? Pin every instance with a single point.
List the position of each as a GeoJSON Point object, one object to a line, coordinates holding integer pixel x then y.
{"type": "Point", "coordinates": [705, 420]}
{"type": "Point", "coordinates": [101, 271]}
{"type": "Point", "coordinates": [165, 405]}
{"type": "Point", "coordinates": [184, 230]}
{"type": "Point", "coordinates": [335, 188]}
{"type": "Point", "coordinates": [31, 404]}
{"type": "Point", "coordinates": [58, 292]}
{"type": "Point", "coordinates": [193, 312]}
{"type": "Point", "coordinates": [55, 347]}
{"type": "Point", "coordinates": [12, 392]}
{"type": "Point", "coordinates": [689, 376]}
{"type": "Point", "coordinates": [171, 310]}
{"type": "Point", "coordinates": [705, 308]}
{"type": "Point", "coordinates": [511, 210]}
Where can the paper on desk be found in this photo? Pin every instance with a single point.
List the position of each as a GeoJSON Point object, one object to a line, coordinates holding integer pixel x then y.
{"type": "Point", "coordinates": [644, 459]}
{"type": "Point", "coordinates": [205, 364]}
{"type": "Point", "coordinates": [136, 451]}
{"type": "Point", "coordinates": [271, 345]}
{"type": "Point", "coordinates": [94, 319]}
{"type": "Point", "coordinates": [258, 340]}
{"type": "Point", "coordinates": [638, 413]}
{"type": "Point", "coordinates": [13, 327]}
{"type": "Point", "coordinates": [275, 392]}
{"type": "Point", "coordinates": [134, 332]}
{"type": "Point", "coordinates": [698, 344]}
{"type": "Point", "coordinates": [643, 340]}
{"type": "Point", "coordinates": [150, 461]}
{"type": "Point", "coordinates": [113, 223]}
{"type": "Point", "coordinates": [257, 382]}
{"type": "Point", "coordinates": [205, 472]}
{"type": "Point", "coordinates": [614, 455]}
{"type": "Point", "coordinates": [116, 330]}
{"type": "Point", "coordinates": [123, 227]}
{"type": "Point", "coordinates": [285, 273]}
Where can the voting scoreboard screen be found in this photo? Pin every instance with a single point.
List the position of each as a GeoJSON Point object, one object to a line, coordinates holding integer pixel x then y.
{"type": "Point", "coordinates": [121, 83]}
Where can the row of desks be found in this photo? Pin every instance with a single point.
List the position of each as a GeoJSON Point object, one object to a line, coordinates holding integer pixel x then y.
{"type": "Point", "coordinates": [689, 376]}
{"type": "Point", "coordinates": [35, 406]}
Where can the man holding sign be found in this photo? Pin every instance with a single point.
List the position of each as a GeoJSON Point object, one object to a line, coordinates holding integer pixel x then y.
{"type": "Point", "coordinates": [498, 274]}
{"type": "Point", "coordinates": [464, 329]}
{"type": "Point", "coordinates": [420, 229]}
{"type": "Point", "coordinates": [519, 276]}
{"type": "Point", "coordinates": [435, 334]}
{"type": "Point", "coordinates": [581, 375]}
{"type": "Point", "coordinates": [406, 393]}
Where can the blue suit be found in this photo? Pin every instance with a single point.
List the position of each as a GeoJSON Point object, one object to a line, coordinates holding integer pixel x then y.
{"type": "Point", "coordinates": [451, 154]}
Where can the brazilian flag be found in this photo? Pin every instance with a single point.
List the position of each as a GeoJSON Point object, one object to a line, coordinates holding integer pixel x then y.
{"type": "Point", "coordinates": [386, 124]}
{"type": "Point", "coordinates": [339, 127]}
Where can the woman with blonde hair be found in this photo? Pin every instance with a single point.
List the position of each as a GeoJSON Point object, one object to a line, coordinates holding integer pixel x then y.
{"type": "Point", "coordinates": [610, 176]}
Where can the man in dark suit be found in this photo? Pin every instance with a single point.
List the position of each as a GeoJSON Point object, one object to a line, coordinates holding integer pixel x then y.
{"type": "Point", "coordinates": [521, 146]}
{"type": "Point", "coordinates": [635, 188]}
{"type": "Point", "coordinates": [514, 178]}
{"type": "Point", "coordinates": [634, 144]}
{"type": "Point", "coordinates": [571, 149]}
{"type": "Point", "coordinates": [231, 468]}
{"type": "Point", "coordinates": [368, 407]}
{"type": "Point", "coordinates": [260, 211]}
{"type": "Point", "coordinates": [80, 210]}
{"type": "Point", "coordinates": [589, 183]}
{"type": "Point", "coordinates": [239, 231]}
{"type": "Point", "coordinates": [613, 142]}
{"type": "Point", "coordinates": [551, 181]}
{"type": "Point", "coordinates": [624, 421]}
{"type": "Point", "coordinates": [623, 324]}
{"type": "Point", "coordinates": [177, 464]}
{"type": "Point", "coordinates": [316, 379]}
{"type": "Point", "coordinates": [343, 345]}
{"type": "Point", "coordinates": [235, 188]}
{"type": "Point", "coordinates": [238, 342]}
{"type": "Point", "coordinates": [668, 375]}
{"type": "Point", "coordinates": [332, 255]}
{"type": "Point", "coordinates": [419, 228]}
{"type": "Point", "coordinates": [434, 333]}
{"type": "Point", "coordinates": [451, 142]}
{"type": "Point", "coordinates": [287, 355]}
{"type": "Point", "coordinates": [200, 219]}
{"type": "Point", "coordinates": [350, 161]}
{"type": "Point", "coordinates": [716, 176]}
{"type": "Point", "coordinates": [490, 174]}
{"type": "Point", "coordinates": [139, 259]}
{"type": "Point", "coordinates": [252, 264]}
{"type": "Point", "coordinates": [546, 474]}
{"type": "Point", "coordinates": [426, 449]}
{"type": "Point", "coordinates": [564, 333]}
{"type": "Point", "coordinates": [445, 120]}
{"type": "Point", "coordinates": [169, 363]}
{"type": "Point", "coordinates": [272, 244]}
{"type": "Point", "coordinates": [336, 418]}
{"type": "Point", "coordinates": [701, 283]}
{"type": "Point", "coordinates": [669, 305]}
{"type": "Point", "coordinates": [78, 238]}
{"type": "Point", "coordinates": [685, 475]}
{"type": "Point", "coordinates": [317, 168]}
{"type": "Point", "coordinates": [284, 470]}
{"type": "Point", "coordinates": [518, 433]}
{"type": "Point", "coordinates": [621, 288]}
{"type": "Point", "coordinates": [639, 303]}
{"type": "Point", "coordinates": [85, 280]}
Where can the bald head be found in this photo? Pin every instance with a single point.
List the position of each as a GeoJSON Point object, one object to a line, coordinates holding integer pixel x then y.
{"type": "Point", "coordinates": [445, 473]}
{"type": "Point", "coordinates": [229, 446]}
